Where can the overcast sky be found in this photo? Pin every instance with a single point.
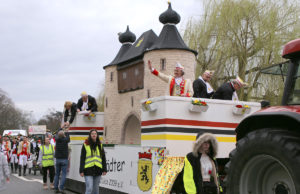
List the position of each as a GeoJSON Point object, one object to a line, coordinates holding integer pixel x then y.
{"type": "Point", "coordinates": [52, 50]}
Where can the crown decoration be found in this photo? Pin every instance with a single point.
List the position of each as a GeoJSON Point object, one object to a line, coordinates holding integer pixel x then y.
{"type": "Point", "coordinates": [145, 155]}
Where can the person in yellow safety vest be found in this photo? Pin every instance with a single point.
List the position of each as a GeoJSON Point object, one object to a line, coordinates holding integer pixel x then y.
{"type": "Point", "coordinates": [200, 173]}
{"type": "Point", "coordinates": [92, 162]}
{"type": "Point", "coordinates": [46, 159]}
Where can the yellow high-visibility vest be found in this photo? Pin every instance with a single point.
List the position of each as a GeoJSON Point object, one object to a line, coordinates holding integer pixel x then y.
{"type": "Point", "coordinates": [92, 160]}
{"type": "Point", "coordinates": [188, 178]}
{"type": "Point", "coordinates": [47, 159]}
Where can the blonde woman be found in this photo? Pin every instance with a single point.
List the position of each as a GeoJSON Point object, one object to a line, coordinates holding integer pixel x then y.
{"type": "Point", "coordinates": [69, 114]}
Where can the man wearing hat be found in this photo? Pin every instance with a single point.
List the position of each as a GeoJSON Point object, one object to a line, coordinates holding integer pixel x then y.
{"type": "Point", "coordinates": [202, 89]}
{"type": "Point", "coordinates": [227, 91]}
{"type": "Point", "coordinates": [178, 86]}
{"type": "Point", "coordinates": [86, 103]}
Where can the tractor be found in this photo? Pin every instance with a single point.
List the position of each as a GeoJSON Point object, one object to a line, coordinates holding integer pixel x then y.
{"type": "Point", "coordinates": [266, 159]}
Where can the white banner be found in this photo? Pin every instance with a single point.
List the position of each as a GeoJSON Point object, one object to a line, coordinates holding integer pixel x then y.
{"type": "Point", "coordinates": [37, 129]}
{"type": "Point", "coordinates": [124, 171]}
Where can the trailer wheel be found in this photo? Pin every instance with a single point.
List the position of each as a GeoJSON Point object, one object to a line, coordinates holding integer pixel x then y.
{"type": "Point", "coordinates": [266, 161]}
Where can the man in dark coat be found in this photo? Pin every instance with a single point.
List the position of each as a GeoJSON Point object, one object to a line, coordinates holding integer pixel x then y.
{"type": "Point", "coordinates": [227, 91]}
{"type": "Point", "coordinates": [70, 112]}
{"type": "Point", "coordinates": [86, 103]}
{"type": "Point", "coordinates": [201, 87]}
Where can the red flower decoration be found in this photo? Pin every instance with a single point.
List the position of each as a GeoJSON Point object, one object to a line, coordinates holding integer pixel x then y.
{"type": "Point", "coordinates": [203, 103]}
{"type": "Point", "coordinates": [239, 106]}
{"type": "Point", "coordinates": [209, 172]}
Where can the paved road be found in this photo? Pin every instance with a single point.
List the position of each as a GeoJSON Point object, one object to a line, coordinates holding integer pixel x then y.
{"type": "Point", "coordinates": [30, 184]}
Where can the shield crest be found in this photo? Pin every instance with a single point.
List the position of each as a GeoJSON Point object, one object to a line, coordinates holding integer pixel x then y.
{"type": "Point", "coordinates": [144, 177]}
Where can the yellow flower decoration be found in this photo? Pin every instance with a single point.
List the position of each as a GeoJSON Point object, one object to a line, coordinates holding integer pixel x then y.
{"type": "Point", "coordinates": [148, 102]}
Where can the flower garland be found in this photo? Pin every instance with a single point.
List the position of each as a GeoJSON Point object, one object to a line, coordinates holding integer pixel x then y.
{"type": "Point", "coordinates": [199, 102]}
{"type": "Point", "coordinates": [146, 104]}
{"type": "Point", "coordinates": [90, 116]}
{"type": "Point", "coordinates": [243, 108]}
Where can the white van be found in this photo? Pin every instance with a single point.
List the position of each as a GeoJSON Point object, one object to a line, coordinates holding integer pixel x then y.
{"type": "Point", "coordinates": [14, 132]}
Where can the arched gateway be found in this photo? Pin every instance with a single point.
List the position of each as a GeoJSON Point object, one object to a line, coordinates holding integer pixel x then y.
{"type": "Point", "coordinates": [131, 133]}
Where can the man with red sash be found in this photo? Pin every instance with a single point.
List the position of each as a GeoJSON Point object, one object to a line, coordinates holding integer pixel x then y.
{"type": "Point", "coordinates": [6, 147]}
{"type": "Point", "coordinates": [14, 155]}
{"type": "Point", "coordinates": [24, 154]}
{"type": "Point", "coordinates": [178, 86]}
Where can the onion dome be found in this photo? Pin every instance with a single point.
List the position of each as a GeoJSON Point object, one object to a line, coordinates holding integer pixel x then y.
{"type": "Point", "coordinates": [170, 16]}
{"type": "Point", "coordinates": [127, 36]}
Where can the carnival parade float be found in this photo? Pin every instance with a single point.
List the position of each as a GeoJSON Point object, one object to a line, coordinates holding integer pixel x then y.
{"type": "Point", "coordinates": [146, 132]}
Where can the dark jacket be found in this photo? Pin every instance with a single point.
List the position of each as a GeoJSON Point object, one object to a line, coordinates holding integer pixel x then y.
{"type": "Point", "coordinates": [94, 170]}
{"type": "Point", "coordinates": [194, 162]}
{"type": "Point", "coordinates": [224, 92]}
{"type": "Point", "coordinates": [72, 111]}
{"type": "Point", "coordinates": [61, 147]}
{"type": "Point", "coordinates": [200, 89]}
{"type": "Point", "coordinates": [190, 177]}
{"type": "Point", "coordinates": [92, 105]}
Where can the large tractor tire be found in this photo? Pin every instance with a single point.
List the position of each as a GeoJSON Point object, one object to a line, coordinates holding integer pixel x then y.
{"type": "Point", "coordinates": [266, 161]}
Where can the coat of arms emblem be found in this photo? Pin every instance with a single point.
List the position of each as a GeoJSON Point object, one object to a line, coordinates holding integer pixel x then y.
{"type": "Point", "coordinates": [144, 177]}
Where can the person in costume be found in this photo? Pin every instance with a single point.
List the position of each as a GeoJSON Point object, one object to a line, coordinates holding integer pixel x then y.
{"type": "Point", "coordinates": [227, 91]}
{"type": "Point", "coordinates": [178, 86]}
{"type": "Point", "coordinates": [200, 171]}
{"type": "Point", "coordinates": [14, 155]}
{"type": "Point", "coordinates": [24, 154]}
{"type": "Point", "coordinates": [6, 146]}
{"type": "Point", "coordinates": [87, 103]}
{"type": "Point", "coordinates": [52, 139]}
{"type": "Point", "coordinates": [201, 86]}
{"type": "Point", "coordinates": [92, 162]}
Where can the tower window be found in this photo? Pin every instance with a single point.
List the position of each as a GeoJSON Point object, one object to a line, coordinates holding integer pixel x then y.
{"type": "Point", "coordinates": [111, 76]}
{"type": "Point", "coordinates": [124, 75]}
{"type": "Point", "coordinates": [136, 72]}
{"type": "Point", "coordinates": [148, 93]}
{"type": "Point", "coordinates": [163, 64]}
{"type": "Point", "coordinates": [132, 102]}
{"type": "Point", "coordinates": [106, 102]}
{"type": "Point", "coordinates": [131, 78]}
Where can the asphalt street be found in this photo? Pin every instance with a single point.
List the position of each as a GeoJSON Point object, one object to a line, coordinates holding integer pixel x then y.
{"type": "Point", "coordinates": [30, 184]}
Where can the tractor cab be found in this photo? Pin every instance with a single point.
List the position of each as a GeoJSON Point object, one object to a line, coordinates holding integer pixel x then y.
{"type": "Point", "coordinates": [289, 71]}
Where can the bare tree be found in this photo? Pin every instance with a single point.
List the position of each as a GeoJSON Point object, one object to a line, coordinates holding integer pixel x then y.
{"type": "Point", "coordinates": [52, 120]}
{"type": "Point", "coordinates": [240, 37]}
{"type": "Point", "coordinates": [100, 99]}
{"type": "Point", "coordinates": [10, 116]}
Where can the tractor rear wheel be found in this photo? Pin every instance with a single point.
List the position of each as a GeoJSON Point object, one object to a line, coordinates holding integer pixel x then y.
{"type": "Point", "coordinates": [266, 161]}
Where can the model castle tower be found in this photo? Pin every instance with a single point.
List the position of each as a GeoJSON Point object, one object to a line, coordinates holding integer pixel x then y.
{"type": "Point", "coordinates": [128, 79]}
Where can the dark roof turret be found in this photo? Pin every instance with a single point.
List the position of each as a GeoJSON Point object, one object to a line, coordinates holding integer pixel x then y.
{"type": "Point", "coordinates": [127, 36]}
{"type": "Point", "coordinates": [169, 16]}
